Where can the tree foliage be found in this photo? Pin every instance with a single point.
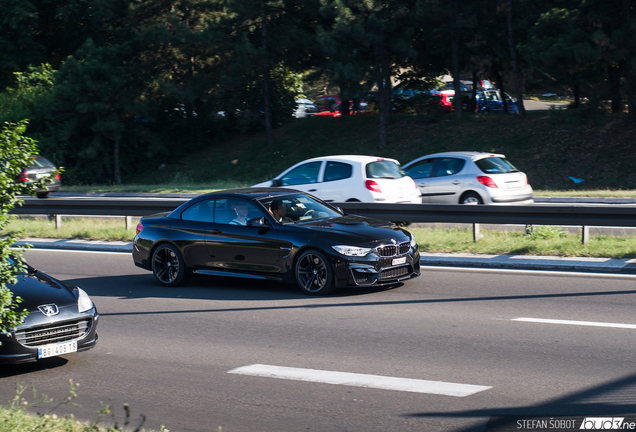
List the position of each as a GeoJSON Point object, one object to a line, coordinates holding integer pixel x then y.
{"type": "Point", "coordinates": [118, 87]}
{"type": "Point", "coordinates": [16, 151]}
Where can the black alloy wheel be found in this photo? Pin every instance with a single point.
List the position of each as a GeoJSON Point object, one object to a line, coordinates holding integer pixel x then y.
{"type": "Point", "coordinates": [168, 266]}
{"type": "Point", "coordinates": [314, 274]}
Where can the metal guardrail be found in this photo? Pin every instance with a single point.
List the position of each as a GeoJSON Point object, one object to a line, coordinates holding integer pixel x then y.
{"type": "Point", "coordinates": [584, 216]}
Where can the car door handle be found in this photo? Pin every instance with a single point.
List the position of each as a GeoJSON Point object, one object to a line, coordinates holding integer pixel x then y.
{"type": "Point", "coordinates": [457, 182]}
{"type": "Point", "coordinates": [215, 231]}
{"type": "Point", "coordinates": [422, 184]}
{"type": "Point", "coordinates": [312, 190]}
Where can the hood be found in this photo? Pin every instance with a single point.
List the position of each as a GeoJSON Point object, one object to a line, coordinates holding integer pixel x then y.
{"type": "Point", "coordinates": [358, 230]}
{"type": "Point", "coordinates": [37, 289]}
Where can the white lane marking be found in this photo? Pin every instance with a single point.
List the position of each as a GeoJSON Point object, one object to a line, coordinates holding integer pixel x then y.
{"type": "Point", "coordinates": [360, 380]}
{"type": "Point", "coordinates": [73, 251]}
{"type": "Point", "coordinates": [581, 323]}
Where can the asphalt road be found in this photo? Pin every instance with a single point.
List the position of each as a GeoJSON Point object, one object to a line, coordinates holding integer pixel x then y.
{"type": "Point", "coordinates": [168, 352]}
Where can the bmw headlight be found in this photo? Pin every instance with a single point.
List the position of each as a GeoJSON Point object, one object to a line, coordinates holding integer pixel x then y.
{"type": "Point", "coordinates": [84, 302]}
{"type": "Point", "coordinates": [352, 250]}
{"type": "Point", "coordinates": [413, 242]}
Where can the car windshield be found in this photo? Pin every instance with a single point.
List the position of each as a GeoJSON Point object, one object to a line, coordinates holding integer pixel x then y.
{"type": "Point", "coordinates": [384, 169]}
{"type": "Point", "coordinates": [495, 165]}
{"type": "Point", "coordinates": [297, 208]}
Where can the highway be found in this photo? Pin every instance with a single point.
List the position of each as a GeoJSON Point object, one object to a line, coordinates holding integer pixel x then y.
{"type": "Point", "coordinates": [442, 352]}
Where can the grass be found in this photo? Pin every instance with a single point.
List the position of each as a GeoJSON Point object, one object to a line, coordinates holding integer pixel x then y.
{"type": "Point", "coordinates": [544, 241]}
{"type": "Point", "coordinates": [15, 416]}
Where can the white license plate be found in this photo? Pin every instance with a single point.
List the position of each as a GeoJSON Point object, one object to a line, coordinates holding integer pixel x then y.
{"type": "Point", "coordinates": [513, 185]}
{"type": "Point", "coordinates": [57, 349]}
{"type": "Point", "coordinates": [42, 175]}
{"type": "Point", "coordinates": [398, 261]}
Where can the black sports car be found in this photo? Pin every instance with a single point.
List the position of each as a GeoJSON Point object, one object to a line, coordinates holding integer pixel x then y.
{"type": "Point", "coordinates": [275, 234]}
{"type": "Point", "coordinates": [62, 319]}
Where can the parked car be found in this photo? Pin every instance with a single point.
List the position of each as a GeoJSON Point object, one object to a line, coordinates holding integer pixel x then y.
{"type": "Point", "coordinates": [305, 108]}
{"type": "Point", "coordinates": [288, 236]}
{"type": "Point", "coordinates": [491, 101]}
{"type": "Point", "coordinates": [469, 178]}
{"type": "Point", "coordinates": [445, 98]}
{"type": "Point", "coordinates": [363, 108]}
{"type": "Point", "coordinates": [41, 167]}
{"type": "Point", "coordinates": [327, 102]}
{"type": "Point", "coordinates": [62, 320]}
{"type": "Point", "coordinates": [349, 178]}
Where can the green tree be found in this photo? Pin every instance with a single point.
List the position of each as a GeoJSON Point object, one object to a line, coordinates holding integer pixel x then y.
{"type": "Point", "coordinates": [95, 94]}
{"type": "Point", "coordinates": [15, 154]}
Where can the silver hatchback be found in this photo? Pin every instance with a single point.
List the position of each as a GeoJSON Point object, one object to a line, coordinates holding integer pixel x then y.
{"type": "Point", "coordinates": [469, 178]}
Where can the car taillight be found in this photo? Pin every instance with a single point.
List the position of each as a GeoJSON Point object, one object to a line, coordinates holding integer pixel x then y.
{"type": "Point", "coordinates": [527, 181]}
{"type": "Point", "coordinates": [486, 181]}
{"type": "Point", "coordinates": [23, 177]}
{"type": "Point", "coordinates": [373, 186]}
{"type": "Point", "coordinates": [414, 184]}
{"type": "Point", "coordinates": [140, 226]}
{"type": "Point", "coordinates": [57, 175]}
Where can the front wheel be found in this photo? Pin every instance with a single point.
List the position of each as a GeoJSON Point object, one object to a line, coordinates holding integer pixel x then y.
{"type": "Point", "coordinates": [314, 274]}
{"type": "Point", "coordinates": [168, 266]}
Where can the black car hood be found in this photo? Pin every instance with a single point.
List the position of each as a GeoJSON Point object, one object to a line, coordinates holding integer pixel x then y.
{"type": "Point", "coordinates": [357, 229]}
{"type": "Point", "coordinates": [37, 289]}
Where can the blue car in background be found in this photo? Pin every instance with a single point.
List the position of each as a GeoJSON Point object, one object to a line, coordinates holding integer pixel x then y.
{"type": "Point", "coordinates": [490, 101]}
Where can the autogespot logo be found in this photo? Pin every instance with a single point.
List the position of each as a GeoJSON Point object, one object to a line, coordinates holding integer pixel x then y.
{"type": "Point", "coordinates": [607, 423]}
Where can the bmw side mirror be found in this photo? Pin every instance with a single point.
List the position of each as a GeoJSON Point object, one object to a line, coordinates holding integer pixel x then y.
{"type": "Point", "coordinates": [277, 183]}
{"type": "Point", "coordinates": [257, 222]}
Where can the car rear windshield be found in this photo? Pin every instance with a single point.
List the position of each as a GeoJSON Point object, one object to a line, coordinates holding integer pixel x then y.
{"type": "Point", "coordinates": [384, 169]}
{"type": "Point", "coordinates": [40, 162]}
{"type": "Point", "coordinates": [495, 165]}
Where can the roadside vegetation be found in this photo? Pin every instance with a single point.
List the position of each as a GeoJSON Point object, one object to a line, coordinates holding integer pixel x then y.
{"type": "Point", "coordinates": [16, 415]}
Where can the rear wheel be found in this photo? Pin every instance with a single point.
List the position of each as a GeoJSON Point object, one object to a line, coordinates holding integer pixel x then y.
{"type": "Point", "coordinates": [314, 274]}
{"type": "Point", "coordinates": [168, 266]}
{"type": "Point", "coordinates": [471, 198]}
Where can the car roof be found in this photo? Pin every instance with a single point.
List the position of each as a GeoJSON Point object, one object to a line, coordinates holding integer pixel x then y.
{"type": "Point", "coordinates": [473, 155]}
{"type": "Point", "coordinates": [350, 158]}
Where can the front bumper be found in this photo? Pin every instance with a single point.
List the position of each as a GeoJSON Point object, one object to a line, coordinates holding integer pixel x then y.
{"type": "Point", "coordinates": [376, 271]}
{"type": "Point", "coordinates": [14, 350]}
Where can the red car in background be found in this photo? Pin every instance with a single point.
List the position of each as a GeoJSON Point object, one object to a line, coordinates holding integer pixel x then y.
{"type": "Point", "coordinates": [327, 102]}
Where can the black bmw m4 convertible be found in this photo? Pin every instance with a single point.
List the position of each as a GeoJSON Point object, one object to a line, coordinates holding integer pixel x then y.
{"type": "Point", "coordinates": [274, 234]}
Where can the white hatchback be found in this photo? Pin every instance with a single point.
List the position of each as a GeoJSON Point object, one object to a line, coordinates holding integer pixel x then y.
{"type": "Point", "coordinates": [469, 178]}
{"type": "Point", "coordinates": [349, 178]}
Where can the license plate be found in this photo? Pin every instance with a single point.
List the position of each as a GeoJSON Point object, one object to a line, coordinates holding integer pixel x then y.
{"type": "Point", "coordinates": [513, 185]}
{"type": "Point", "coordinates": [398, 261]}
{"type": "Point", "coordinates": [39, 176]}
{"type": "Point", "coordinates": [57, 349]}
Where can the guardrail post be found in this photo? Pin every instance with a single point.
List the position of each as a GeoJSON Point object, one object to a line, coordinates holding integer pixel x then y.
{"type": "Point", "coordinates": [128, 222]}
{"type": "Point", "coordinates": [586, 234]}
{"type": "Point", "coordinates": [476, 234]}
{"type": "Point", "coordinates": [58, 221]}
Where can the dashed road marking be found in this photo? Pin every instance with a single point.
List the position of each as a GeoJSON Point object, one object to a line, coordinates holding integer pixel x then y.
{"type": "Point", "coordinates": [581, 323]}
{"type": "Point", "coordinates": [361, 380]}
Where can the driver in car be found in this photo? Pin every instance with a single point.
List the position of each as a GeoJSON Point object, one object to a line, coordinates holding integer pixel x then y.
{"type": "Point", "coordinates": [278, 210]}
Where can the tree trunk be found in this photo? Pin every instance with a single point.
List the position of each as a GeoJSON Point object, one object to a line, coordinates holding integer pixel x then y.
{"type": "Point", "coordinates": [502, 90]}
{"type": "Point", "coordinates": [457, 99]}
{"type": "Point", "coordinates": [116, 167]}
{"type": "Point", "coordinates": [577, 95]}
{"type": "Point", "coordinates": [384, 90]}
{"type": "Point", "coordinates": [267, 109]}
{"type": "Point", "coordinates": [629, 71]}
{"type": "Point", "coordinates": [613, 75]}
{"type": "Point", "coordinates": [516, 75]}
